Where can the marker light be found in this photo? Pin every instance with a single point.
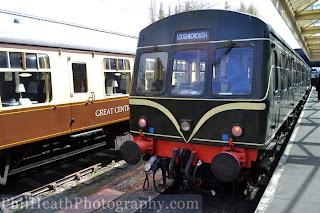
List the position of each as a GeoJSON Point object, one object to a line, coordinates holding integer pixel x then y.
{"type": "Point", "coordinates": [185, 126]}
{"type": "Point", "coordinates": [236, 131]}
{"type": "Point", "coordinates": [142, 122]}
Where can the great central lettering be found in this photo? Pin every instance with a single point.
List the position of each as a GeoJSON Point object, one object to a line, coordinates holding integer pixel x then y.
{"type": "Point", "coordinates": [111, 110]}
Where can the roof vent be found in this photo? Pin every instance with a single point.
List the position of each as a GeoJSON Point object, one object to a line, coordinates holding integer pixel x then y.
{"type": "Point", "coordinates": [16, 21]}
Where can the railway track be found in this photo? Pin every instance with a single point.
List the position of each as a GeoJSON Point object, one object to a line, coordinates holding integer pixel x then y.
{"type": "Point", "coordinates": [38, 178]}
{"type": "Point", "coordinates": [102, 177]}
{"type": "Point", "coordinates": [53, 179]}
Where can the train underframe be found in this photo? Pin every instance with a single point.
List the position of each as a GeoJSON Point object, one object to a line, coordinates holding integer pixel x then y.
{"type": "Point", "coordinates": [184, 161]}
{"type": "Point", "coordinates": [15, 158]}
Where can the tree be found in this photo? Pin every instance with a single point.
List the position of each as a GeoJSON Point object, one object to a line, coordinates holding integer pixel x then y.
{"type": "Point", "coordinates": [242, 7]}
{"type": "Point", "coordinates": [195, 5]}
{"type": "Point", "coordinates": [188, 5]}
{"type": "Point", "coordinates": [251, 9]}
{"type": "Point", "coordinates": [161, 11]}
{"type": "Point", "coordinates": [227, 6]}
{"type": "Point", "coordinates": [177, 8]}
{"type": "Point", "coordinates": [169, 10]}
{"type": "Point", "coordinates": [152, 11]}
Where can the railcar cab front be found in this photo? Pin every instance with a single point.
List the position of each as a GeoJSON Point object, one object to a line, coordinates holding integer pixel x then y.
{"type": "Point", "coordinates": [201, 89]}
{"type": "Point", "coordinates": [184, 71]}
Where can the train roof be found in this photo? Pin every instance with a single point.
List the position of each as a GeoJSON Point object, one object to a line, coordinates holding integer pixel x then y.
{"type": "Point", "coordinates": [24, 29]}
{"type": "Point", "coordinates": [221, 25]}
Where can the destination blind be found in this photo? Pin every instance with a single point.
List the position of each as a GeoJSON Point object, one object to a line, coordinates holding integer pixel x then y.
{"type": "Point", "coordinates": [192, 36]}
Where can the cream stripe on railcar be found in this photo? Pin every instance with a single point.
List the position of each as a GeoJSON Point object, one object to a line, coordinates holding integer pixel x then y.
{"type": "Point", "coordinates": [223, 108]}
{"type": "Point", "coordinates": [205, 117]}
{"type": "Point", "coordinates": [159, 107]}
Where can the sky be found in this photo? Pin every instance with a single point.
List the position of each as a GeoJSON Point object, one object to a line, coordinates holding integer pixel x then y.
{"type": "Point", "coordinates": [129, 16]}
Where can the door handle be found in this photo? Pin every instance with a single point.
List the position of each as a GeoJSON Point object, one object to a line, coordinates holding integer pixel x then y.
{"type": "Point", "coordinates": [92, 97]}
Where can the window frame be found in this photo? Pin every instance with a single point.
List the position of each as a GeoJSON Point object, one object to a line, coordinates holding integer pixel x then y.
{"type": "Point", "coordinates": [276, 72]}
{"type": "Point", "coordinates": [283, 71]}
{"type": "Point", "coordinates": [23, 64]}
{"type": "Point", "coordinates": [8, 61]}
{"type": "Point", "coordinates": [24, 69]}
{"type": "Point", "coordinates": [104, 70]}
{"type": "Point", "coordinates": [147, 92]}
{"type": "Point", "coordinates": [105, 86]}
{"type": "Point", "coordinates": [73, 77]}
{"type": "Point", "coordinates": [236, 46]}
{"type": "Point", "coordinates": [171, 70]}
{"type": "Point", "coordinates": [116, 64]}
{"type": "Point", "coordinates": [50, 93]}
{"type": "Point", "coordinates": [38, 61]}
{"type": "Point", "coordinates": [124, 61]}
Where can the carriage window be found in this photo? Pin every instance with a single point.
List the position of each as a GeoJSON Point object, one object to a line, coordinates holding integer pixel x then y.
{"type": "Point", "coordinates": [113, 64]}
{"type": "Point", "coordinates": [233, 75]}
{"type": "Point", "coordinates": [289, 72]}
{"type": "Point", "coordinates": [4, 60]}
{"type": "Point", "coordinates": [25, 88]}
{"type": "Point", "coordinates": [44, 61]}
{"type": "Point", "coordinates": [300, 74]}
{"type": "Point", "coordinates": [289, 78]}
{"type": "Point", "coordinates": [126, 64]}
{"type": "Point", "coordinates": [16, 60]}
{"type": "Point", "coordinates": [275, 74]}
{"type": "Point", "coordinates": [283, 72]}
{"type": "Point", "coordinates": [120, 64]}
{"type": "Point", "coordinates": [294, 74]}
{"type": "Point", "coordinates": [79, 72]}
{"type": "Point", "coordinates": [31, 61]}
{"type": "Point", "coordinates": [106, 64]}
{"type": "Point", "coordinates": [117, 83]}
{"type": "Point", "coordinates": [188, 72]}
{"type": "Point", "coordinates": [288, 63]}
{"type": "Point", "coordinates": [152, 72]}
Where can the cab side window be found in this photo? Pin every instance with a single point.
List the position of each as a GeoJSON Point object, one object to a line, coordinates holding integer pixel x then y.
{"type": "Point", "coordinates": [289, 72]}
{"type": "Point", "coordinates": [152, 72]}
{"type": "Point", "coordinates": [233, 74]}
{"type": "Point", "coordinates": [283, 72]}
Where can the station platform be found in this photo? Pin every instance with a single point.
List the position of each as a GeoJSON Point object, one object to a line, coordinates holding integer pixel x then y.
{"type": "Point", "coordinates": [295, 184]}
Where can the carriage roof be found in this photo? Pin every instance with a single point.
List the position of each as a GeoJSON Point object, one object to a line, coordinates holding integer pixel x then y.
{"type": "Point", "coordinates": [51, 33]}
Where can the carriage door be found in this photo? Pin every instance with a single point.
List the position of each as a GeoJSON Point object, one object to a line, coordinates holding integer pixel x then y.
{"type": "Point", "coordinates": [81, 94]}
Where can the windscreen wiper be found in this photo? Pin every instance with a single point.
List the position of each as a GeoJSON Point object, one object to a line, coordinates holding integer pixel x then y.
{"type": "Point", "coordinates": [225, 52]}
